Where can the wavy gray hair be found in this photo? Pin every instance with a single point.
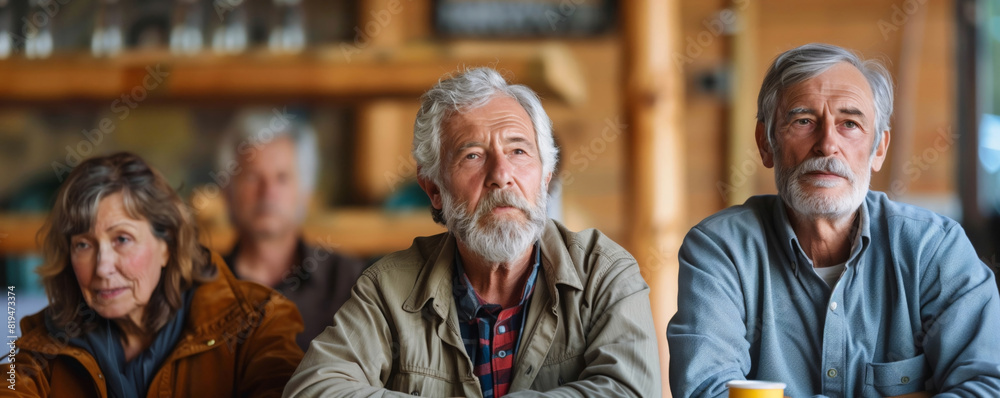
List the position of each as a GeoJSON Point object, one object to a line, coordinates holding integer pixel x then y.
{"type": "Point", "coordinates": [254, 127]}
{"type": "Point", "coordinates": [808, 61]}
{"type": "Point", "coordinates": [469, 90]}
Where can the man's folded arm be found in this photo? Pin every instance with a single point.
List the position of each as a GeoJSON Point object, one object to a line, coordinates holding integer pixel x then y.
{"type": "Point", "coordinates": [622, 359]}
{"type": "Point", "coordinates": [960, 310]}
{"type": "Point", "coordinates": [352, 357]}
{"type": "Point", "coordinates": [708, 335]}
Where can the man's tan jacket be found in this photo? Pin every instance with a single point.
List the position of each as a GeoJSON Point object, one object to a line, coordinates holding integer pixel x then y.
{"type": "Point", "coordinates": [589, 330]}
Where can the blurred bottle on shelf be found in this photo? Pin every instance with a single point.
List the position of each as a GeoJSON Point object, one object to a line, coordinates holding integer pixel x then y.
{"type": "Point", "coordinates": [38, 40]}
{"type": "Point", "coordinates": [186, 27]}
{"type": "Point", "coordinates": [6, 39]}
{"type": "Point", "coordinates": [288, 31]}
{"type": "Point", "coordinates": [107, 38]}
{"type": "Point", "coordinates": [230, 35]}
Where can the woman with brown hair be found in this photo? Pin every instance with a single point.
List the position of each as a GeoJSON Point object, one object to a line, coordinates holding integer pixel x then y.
{"type": "Point", "coordinates": [138, 308]}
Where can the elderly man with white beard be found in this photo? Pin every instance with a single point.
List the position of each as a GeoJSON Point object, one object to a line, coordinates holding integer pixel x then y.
{"type": "Point", "coordinates": [507, 302]}
{"type": "Point", "coordinates": [827, 287]}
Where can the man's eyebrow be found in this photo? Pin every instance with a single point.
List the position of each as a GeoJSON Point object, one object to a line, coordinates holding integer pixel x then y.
{"type": "Point", "coordinates": [808, 111]}
{"type": "Point", "coordinates": [467, 145]}
{"type": "Point", "coordinates": [800, 111]}
{"type": "Point", "coordinates": [852, 111]}
{"type": "Point", "coordinates": [517, 139]}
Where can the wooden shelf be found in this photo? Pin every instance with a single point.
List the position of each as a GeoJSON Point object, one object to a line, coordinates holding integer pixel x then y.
{"type": "Point", "coordinates": [336, 72]}
{"type": "Point", "coordinates": [358, 231]}
{"type": "Point", "coordinates": [340, 71]}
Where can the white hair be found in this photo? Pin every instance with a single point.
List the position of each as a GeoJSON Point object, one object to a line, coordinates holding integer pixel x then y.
{"type": "Point", "coordinates": [254, 127]}
{"type": "Point", "coordinates": [808, 61]}
{"type": "Point", "coordinates": [469, 90]}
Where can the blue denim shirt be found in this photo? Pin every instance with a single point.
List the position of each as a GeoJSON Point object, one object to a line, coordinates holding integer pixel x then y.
{"type": "Point", "coordinates": [914, 310]}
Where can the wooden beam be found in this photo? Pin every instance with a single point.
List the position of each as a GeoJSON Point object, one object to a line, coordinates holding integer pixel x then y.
{"type": "Point", "coordinates": [333, 72]}
{"type": "Point", "coordinates": [357, 231]}
{"type": "Point", "coordinates": [385, 15]}
{"type": "Point", "coordinates": [741, 145]}
{"type": "Point", "coordinates": [383, 137]}
{"type": "Point", "coordinates": [908, 68]}
{"type": "Point", "coordinates": [653, 94]}
{"type": "Point", "coordinates": [378, 129]}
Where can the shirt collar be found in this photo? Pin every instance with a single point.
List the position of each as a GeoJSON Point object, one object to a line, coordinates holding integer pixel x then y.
{"type": "Point", "coordinates": [467, 304]}
{"type": "Point", "coordinates": [791, 243]}
{"type": "Point", "coordinates": [230, 259]}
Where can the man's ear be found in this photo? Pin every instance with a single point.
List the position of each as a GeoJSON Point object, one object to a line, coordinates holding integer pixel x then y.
{"type": "Point", "coordinates": [432, 190]}
{"type": "Point", "coordinates": [763, 146]}
{"type": "Point", "coordinates": [880, 152]}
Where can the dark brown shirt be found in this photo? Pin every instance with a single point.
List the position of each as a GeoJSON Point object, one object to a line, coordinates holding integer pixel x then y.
{"type": "Point", "coordinates": [318, 283]}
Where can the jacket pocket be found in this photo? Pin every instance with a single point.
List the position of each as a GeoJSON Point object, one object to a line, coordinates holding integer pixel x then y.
{"type": "Point", "coordinates": [897, 378]}
{"type": "Point", "coordinates": [424, 384]}
{"type": "Point", "coordinates": [553, 375]}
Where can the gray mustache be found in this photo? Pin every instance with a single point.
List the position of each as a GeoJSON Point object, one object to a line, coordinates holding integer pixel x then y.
{"type": "Point", "coordinates": [499, 198]}
{"type": "Point", "coordinates": [826, 165]}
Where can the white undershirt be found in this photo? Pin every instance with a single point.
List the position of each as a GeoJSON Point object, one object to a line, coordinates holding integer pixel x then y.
{"type": "Point", "coordinates": [831, 274]}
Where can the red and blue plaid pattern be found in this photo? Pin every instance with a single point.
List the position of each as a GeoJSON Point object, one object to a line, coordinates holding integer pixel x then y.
{"type": "Point", "coordinates": [491, 333]}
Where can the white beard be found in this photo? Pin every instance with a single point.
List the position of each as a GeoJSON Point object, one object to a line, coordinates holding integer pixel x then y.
{"type": "Point", "coordinates": [496, 240]}
{"type": "Point", "coordinates": [793, 192]}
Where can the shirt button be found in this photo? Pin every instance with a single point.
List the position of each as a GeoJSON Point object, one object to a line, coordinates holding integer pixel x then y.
{"type": "Point", "coordinates": [501, 329]}
{"type": "Point", "coordinates": [833, 306]}
{"type": "Point", "coordinates": [904, 380]}
{"type": "Point", "coordinates": [502, 354]}
{"type": "Point", "coordinates": [832, 372]}
{"type": "Point", "coordinates": [415, 392]}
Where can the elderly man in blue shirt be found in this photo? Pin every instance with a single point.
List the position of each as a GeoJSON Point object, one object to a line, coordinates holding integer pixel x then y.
{"type": "Point", "coordinates": [828, 287]}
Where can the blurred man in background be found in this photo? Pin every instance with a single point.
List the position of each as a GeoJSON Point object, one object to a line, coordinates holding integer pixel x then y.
{"type": "Point", "coordinates": [271, 162]}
